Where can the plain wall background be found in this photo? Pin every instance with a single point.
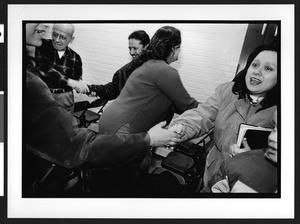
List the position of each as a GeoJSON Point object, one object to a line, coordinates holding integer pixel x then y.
{"type": "Point", "coordinates": [209, 52]}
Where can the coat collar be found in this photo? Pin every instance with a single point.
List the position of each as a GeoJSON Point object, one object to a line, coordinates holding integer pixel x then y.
{"type": "Point", "coordinates": [242, 107]}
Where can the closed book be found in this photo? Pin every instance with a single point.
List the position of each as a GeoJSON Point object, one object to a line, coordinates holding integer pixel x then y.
{"type": "Point", "coordinates": [257, 137]}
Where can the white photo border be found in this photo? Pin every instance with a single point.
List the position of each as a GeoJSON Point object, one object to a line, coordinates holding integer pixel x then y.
{"type": "Point", "coordinates": [18, 207]}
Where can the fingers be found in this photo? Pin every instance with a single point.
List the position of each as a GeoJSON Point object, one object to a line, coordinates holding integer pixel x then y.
{"type": "Point", "coordinates": [246, 146]}
{"type": "Point", "coordinates": [234, 150]}
{"type": "Point", "coordinates": [175, 128]}
{"type": "Point", "coordinates": [82, 87]}
{"type": "Point", "coordinates": [79, 86]}
{"type": "Point", "coordinates": [162, 124]}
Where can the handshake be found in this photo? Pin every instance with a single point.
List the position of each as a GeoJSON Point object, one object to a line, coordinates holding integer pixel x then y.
{"type": "Point", "coordinates": [79, 85]}
{"type": "Point", "coordinates": [161, 136]}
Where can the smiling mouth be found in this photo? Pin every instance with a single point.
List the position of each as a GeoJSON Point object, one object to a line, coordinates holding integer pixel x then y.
{"type": "Point", "coordinates": [255, 81]}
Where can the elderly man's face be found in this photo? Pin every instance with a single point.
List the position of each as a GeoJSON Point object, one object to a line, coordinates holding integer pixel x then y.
{"type": "Point", "coordinates": [61, 38]}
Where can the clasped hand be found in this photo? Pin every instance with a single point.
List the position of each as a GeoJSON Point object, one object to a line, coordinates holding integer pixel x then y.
{"type": "Point", "coordinates": [80, 86]}
{"type": "Point", "coordinates": [160, 136]}
{"type": "Point", "coordinates": [180, 130]}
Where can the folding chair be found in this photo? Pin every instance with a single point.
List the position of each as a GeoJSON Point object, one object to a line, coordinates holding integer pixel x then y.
{"type": "Point", "coordinates": [86, 116]}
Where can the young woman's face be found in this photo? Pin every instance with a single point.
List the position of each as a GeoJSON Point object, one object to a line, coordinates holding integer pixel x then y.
{"type": "Point", "coordinates": [262, 73]}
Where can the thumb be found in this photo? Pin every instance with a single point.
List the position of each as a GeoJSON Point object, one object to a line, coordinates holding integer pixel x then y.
{"type": "Point", "coordinates": [245, 143]}
{"type": "Point", "coordinates": [162, 124]}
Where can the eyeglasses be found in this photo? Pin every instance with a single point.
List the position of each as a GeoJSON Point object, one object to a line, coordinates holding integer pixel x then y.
{"type": "Point", "coordinates": [59, 36]}
{"type": "Point", "coordinates": [39, 31]}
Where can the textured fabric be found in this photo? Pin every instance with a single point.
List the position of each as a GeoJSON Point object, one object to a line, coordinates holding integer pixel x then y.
{"type": "Point", "coordinates": [112, 89]}
{"type": "Point", "coordinates": [57, 71]}
{"type": "Point", "coordinates": [53, 133]}
{"type": "Point", "coordinates": [66, 100]}
{"type": "Point", "coordinates": [151, 94]}
{"type": "Point", "coordinates": [224, 112]}
{"type": "Point", "coordinates": [245, 173]}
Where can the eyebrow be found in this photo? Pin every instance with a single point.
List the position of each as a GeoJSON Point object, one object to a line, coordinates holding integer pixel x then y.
{"type": "Point", "coordinates": [256, 60]}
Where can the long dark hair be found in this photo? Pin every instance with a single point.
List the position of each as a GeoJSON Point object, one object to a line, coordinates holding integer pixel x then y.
{"type": "Point", "coordinates": [161, 45]}
{"type": "Point", "coordinates": [240, 88]}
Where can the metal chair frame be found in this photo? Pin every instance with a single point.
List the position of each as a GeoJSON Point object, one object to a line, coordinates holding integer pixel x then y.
{"type": "Point", "coordinates": [86, 116]}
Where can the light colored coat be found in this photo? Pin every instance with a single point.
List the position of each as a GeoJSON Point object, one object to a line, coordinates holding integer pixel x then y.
{"type": "Point", "coordinates": [224, 112]}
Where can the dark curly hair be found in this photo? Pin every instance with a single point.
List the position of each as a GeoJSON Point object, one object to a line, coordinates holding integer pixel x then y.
{"type": "Point", "coordinates": [161, 45]}
{"type": "Point", "coordinates": [240, 88]}
{"type": "Point", "coordinates": [140, 35]}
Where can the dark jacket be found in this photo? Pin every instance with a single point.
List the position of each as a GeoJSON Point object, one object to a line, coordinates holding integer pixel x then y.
{"type": "Point", "coordinates": [112, 89]}
{"type": "Point", "coordinates": [53, 133]}
{"type": "Point", "coordinates": [56, 71]}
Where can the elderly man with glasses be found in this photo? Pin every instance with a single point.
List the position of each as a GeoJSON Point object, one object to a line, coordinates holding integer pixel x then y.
{"type": "Point", "coordinates": [61, 66]}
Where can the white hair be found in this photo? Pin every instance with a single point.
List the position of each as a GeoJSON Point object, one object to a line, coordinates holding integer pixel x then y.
{"type": "Point", "coordinates": [67, 27]}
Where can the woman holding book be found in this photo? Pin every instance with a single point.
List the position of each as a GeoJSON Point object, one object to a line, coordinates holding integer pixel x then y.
{"type": "Point", "coordinates": [254, 171]}
{"type": "Point", "coordinates": [250, 98]}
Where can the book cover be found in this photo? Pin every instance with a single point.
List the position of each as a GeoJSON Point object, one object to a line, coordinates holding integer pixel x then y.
{"type": "Point", "coordinates": [257, 137]}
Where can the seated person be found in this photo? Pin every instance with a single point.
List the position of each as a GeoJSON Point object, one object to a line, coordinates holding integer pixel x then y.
{"type": "Point", "coordinates": [61, 67]}
{"type": "Point", "coordinates": [251, 98]}
{"type": "Point", "coordinates": [52, 132]}
{"type": "Point", "coordinates": [153, 92]}
{"type": "Point", "coordinates": [254, 171]}
{"type": "Point", "coordinates": [137, 41]}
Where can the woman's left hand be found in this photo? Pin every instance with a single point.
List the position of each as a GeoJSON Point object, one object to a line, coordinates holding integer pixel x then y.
{"type": "Point", "coordinates": [234, 149]}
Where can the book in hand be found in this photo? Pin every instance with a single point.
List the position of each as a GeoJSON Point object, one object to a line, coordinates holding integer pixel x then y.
{"type": "Point", "coordinates": [257, 137]}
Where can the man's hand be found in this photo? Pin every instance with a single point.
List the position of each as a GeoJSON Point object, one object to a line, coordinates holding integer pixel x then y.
{"type": "Point", "coordinates": [160, 136]}
{"type": "Point", "coordinates": [234, 149]}
{"type": "Point", "coordinates": [79, 86]}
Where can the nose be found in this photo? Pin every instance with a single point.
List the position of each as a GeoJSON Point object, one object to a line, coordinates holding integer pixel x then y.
{"type": "Point", "coordinates": [258, 70]}
{"type": "Point", "coordinates": [273, 136]}
{"type": "Point", "coordinates": [56, 38]}
{"type": "Point", "coordinates": [131, 52]}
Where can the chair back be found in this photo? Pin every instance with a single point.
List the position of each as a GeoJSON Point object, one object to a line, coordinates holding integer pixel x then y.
{"type": "Point", "coordinates": [86, 116]}
{"type": "Point", "coordinates": [44, 177]}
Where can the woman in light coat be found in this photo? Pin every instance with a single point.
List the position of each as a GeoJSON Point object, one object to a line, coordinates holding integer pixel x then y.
{"type": "Point", "coordinates": [251, 98]}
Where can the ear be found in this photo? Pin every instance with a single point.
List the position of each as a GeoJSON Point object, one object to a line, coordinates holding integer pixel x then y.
{"type": "Point", "coordinates": [72, 38]}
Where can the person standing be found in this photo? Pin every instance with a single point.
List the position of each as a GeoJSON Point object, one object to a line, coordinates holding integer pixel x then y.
{"type": "Point", "coordinates": [61, 66]}
{"type": "Point", "coordinates": [153, 92]}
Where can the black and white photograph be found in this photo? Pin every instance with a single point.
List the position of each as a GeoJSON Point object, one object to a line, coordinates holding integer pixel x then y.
{"type": "Point", "coordinates": [151, 115]}
{"type": "Point", "coordinates": [136, 143]}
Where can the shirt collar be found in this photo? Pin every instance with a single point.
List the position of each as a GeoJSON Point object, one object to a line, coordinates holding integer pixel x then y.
{"type": "Point", "coordinates": [67, 52]}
